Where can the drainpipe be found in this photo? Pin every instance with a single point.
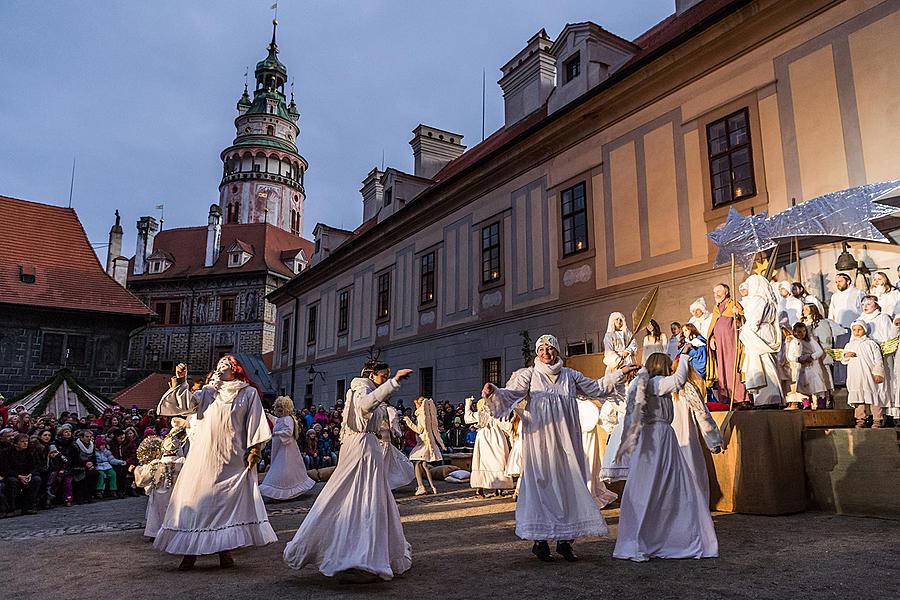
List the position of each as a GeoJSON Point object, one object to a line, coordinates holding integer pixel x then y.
{"type": "Point", "coordinates": [294, 343]}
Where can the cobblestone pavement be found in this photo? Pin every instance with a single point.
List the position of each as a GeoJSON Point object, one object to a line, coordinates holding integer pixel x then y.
{"type": "Point", "coordinates": [462, 548]}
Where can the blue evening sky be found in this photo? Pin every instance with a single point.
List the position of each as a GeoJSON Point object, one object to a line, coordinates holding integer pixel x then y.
{"type": "Point", "coordinates": [143, 93]}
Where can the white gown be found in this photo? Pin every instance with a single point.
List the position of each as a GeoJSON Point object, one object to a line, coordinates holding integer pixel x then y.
{"type": "Point", "coordinates": [664, 512]}
{"type": "Point", "coordinates": [554, 501]}
{"type": "Point", "coordinates": [491, 452]}
{"type": "Point", "coordinates": [286, 477]}
{"type": "Point", "coordinates": [355, 522]}
{"type": "Point", "coordinates": [811, 378]}
{"type": "Point", "coordinates": [690, 413]}
{"type": "Point", "coordinates": [882, 329]}
{"type": "Point", "coordinates": [589, 415]}
{"type": "Point", "coordinates": [151, 477]}
{"type": "Point", "coordinates": [216, 504]}
{"type": "Point", "coordinates": [861, 388]}
{"type": "Point", "coordinates": [400, 469]}
{"type": "Point", "coordinates": [612, 417]}
{"type": "Point", "coordinates": [761, 337]}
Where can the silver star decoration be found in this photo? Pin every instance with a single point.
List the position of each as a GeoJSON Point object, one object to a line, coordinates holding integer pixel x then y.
{"type": "Point", "coordinates": [741, 237]}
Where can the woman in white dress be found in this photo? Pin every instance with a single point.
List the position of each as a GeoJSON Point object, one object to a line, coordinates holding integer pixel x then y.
{"type": "Point", "coordinates": [353, 528]}
{"type": "Point", "coordinates": [554, 501]}
{"type": "Point", "coordinates": [160, 462]}
{"type": "Point", "coordinates": [655, 340]}
{"type": "Point", "coordinates": [691, 420]}
{"type": "Point", "coordinates": [286, 477]}
{"type": "Point", "coordinates": [761, 336]}
{"type": "Point", "coordinates": [664, 512]}
{"type": "Point", "coordinates": [619, 345]}
{"type": "Point", "coordinates": [216, 505]}
{"type": "Point", "coordinates": [888, 296]}
{"type": "Point", "coordinates": [429, 444]}
{"type": "Point", "coordinates": [589, 416]}
{"type": "Point", "coordinates": [612, 420]}
{"type": "Point", "coordinates": [515, 461]}
{"type": "Point", "coordinates": [400, 470]}
{"type": "Point", "coordinates": [491, 452]}
{"type": "Point", "coordinates": [866, 376]}
{"type": "Point", "coordinates": [809, 382]}
{"type": "Point", "coordinates": [701, 318]}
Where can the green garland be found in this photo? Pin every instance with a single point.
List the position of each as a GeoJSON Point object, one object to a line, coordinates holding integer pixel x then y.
{"type": "Point", "coordinates": [53, 385]}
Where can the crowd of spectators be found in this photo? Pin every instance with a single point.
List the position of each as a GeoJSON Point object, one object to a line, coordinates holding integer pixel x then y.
{"type": "Point", "coordinates": [62, 460]}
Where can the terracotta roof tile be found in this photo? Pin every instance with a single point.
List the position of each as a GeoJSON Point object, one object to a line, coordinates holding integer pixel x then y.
{"type": "Point", "coordinates": [187, 246]}
{"type": "Point", "coordinates": [144, 394]}
{"type": "Point", "coordinates": [68, 275]}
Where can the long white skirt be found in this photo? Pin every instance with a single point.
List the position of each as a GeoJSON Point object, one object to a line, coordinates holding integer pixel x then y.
{"type": "Point", "coordinates": [610, 470]}
{"type": "Point", "coordinates": [489, 460]}
{"type": "Point", "coordinates": [400, 470]}
{"type": "Point", "coordinates": [591, 444]}
{"type": "Point", "coordinates": [664, 513]}
{"type": "Point", "coordinates": [287, 477]}
{"type": "Point", "coordinates": [690, 444]}
{"type": "Point", "coordinates": [157, 503]}
{"type": "Point", "coordinates": [514, 462]}
{"type": "Point", "coordinates": [355, 522]}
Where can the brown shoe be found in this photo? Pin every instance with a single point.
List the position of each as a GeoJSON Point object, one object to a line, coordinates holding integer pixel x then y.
{"type": "Point", "coordinates": [187, 563]}
{"type": "Point", "coordinates": [226, 561]}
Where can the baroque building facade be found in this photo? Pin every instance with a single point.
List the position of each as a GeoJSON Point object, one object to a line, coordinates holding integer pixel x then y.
{"type": "Point", "coordinates": [616, 158]}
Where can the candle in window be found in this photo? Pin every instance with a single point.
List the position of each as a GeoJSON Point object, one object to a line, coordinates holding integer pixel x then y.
{"type": "Point", "coordinates": [579, 245]}
{"type": "Point", "coordinates": [738, 192]}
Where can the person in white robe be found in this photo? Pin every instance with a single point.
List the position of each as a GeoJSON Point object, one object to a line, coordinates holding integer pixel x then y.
{"type": "Point", "coordinates": [809, 382]}
{"type": "Point", "coordinates": [353, 529]}
{"type": "Point", "coordinates": [664, 512]}
{"type": "Point", "coordinates": [691, 420]}
{"type": "Point", "coordinates": [824, 330]}
{"type": "Point", "coordinates": [865, 376]}
{"type": "Point", "coordinates": [287, 477]}
{"type": "Point", "coordinates": [888, 295]}
{"type": "Point", "coordinates": [761, 336]}
{"type": "Point", "coordinates": [554, 500]}
{"type": "Point", "coordinates": [619, 345]}
{"type": "Point", "coordinates": [654, 340]}
{"type": "Point", "coordinates": [844, 307]}
{"type": "Point", "coordinates": [216, 505]}
{"type": "Point", "coordinates": [701, 318]}
{"type": "Point", "coordinates": [160, 463]}
{"type": "Point", "coordinates": [790, 308]}
{"type": "Point", "coordinates": [881, 328]}
{"type": "Point", "coordinates": [400, 469]}
{"type": "Point", "coordinates": [799, 291]}
{"type": "Point", "coordinates": [589, 416]}
{"type": "Point", "coordinates": [428, 442]}
{"type": "Point", "coordinates": [515, 461]}
{"type": "Point", "coordinates": [612, 419]}
{"type": "Point", "coordinates": [491, 451]}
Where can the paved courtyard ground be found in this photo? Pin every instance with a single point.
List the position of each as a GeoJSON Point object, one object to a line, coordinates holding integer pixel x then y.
{"type": "Point", "coordinates": [462, 548]}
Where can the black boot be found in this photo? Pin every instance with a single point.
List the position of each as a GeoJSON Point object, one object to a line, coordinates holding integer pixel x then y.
{"type": "Point", "coordinates": [564, 549]}
{"type": "Point", "coordinates": [542, 551]}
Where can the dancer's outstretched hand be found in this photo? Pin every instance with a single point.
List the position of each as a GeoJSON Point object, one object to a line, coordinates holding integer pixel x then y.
{"type": "Point", "coordinates": [402, 374]}
{"type": "Point", "coordinates": [488, 390]}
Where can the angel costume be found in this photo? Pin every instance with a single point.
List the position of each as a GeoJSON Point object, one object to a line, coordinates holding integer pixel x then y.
{"type": "Point", "coordinates": [216, 504]}
{"type": "Point", "coordinates": [761, 337]}
{"type": "Point", "coordinates": [589, 416]}
{"type": "Point", "coordinates": [286, 477]}
{"type": "Point", "coordinates": [428, 439]}
{"type": "Point", "coordinates": [807, 378]}
{"type": "Point", "coordinates": [702, 322]}
{"type": "Point", "coordinates": [612, 419]}
{"type": "Point", "coordinates": [400, 469]}
{"type": "Point", "coordinates": [491, 451]}
{"type": "Point", "coordinates": [881, 328]}
{"type": "Point", "coordinates": [888, 299]}
{"type": "Point", "coordinates": [691, 413]}
{"type": "Point", "coordinates": [664, 512]}
{"type": "Point", "coordinates": [861, 370]}
{"type": "Point", "coordinates": [614, 343]}
{"type": "Point", "coordinates": [554, 501]}
{"type": "Point", "coordinates": [355, 523]}
{"type": "Point", "coordinates": [158, 475]}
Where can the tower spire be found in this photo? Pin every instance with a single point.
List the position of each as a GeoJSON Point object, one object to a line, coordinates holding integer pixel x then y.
{"type": "Point", "coordinates": [273, 47]}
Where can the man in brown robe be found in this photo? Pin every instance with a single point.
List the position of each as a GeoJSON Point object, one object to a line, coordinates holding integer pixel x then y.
{"type": "Point", "coordinates": [724, 349]}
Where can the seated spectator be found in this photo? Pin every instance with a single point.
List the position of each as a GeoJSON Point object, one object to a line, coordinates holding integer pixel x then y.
{"type": "Point", "coordinates": [336, 440]}
{"type": "Point", "coordinates": [457, 436]}
{"type": "Point", "coordinates": [104, 461]}
{"type": "Point", "coordinates": [21, 482]}
{"type": "Point", "coordinates": [311, 450]}
{"type": "Point", "coordinates": [470, 437]}
{"type": "Point", "coordinates": [321, 417]}
{"type": "Point", "coordinates": [123, 445]}
{"type": "Point", "coordinates": [40, 444]}
{"type": "Point", "coordinates": [84, 470]}
{"type": "Point", "coordinates": [410, 439]}
{"type": "Point", "coordinates": [327, 457]}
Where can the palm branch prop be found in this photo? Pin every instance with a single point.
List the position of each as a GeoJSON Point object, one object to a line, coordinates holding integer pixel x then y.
{"type": "Point", "coordinates": [641, 316]}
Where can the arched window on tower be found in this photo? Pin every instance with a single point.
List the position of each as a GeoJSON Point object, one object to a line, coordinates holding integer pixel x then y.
{"type": "Point", "coordinates": [233, 212]}
{"type": "Point", "coordinates": [295, 221]}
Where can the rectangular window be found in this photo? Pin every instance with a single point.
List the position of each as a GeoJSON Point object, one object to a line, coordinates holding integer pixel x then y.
{"type": "Point", "coordinates": [318, 245]}
{"type": "Point", "coordinates": [285, 335]}
{"type": "Point", "coordinates": [384, 296]}
{"type": "Point", "coordinates": [174, 313]}
{"type": "Point", "coordinates": [572, 67]}
{"type": "Point", "coordinates": [312, 323]}
{"type": "Point", "coordinates": [162, 309]}
{"type": "Point", "coordinates": [490, 369]}
{"type": "Point", "coordinates": [426, 382]}
{"type": "Point", "coordinates": [226, 313]}
{"type": "Point", "coordinates": [574, 220]}
{"type": "Point", "coordinates": [426, 287]}
{"type": "Point", "coordinates": [76, 350]}
{"type": "Point", "coordinates": [578, 348]}
{"type": "Point", "coordinates": [490, 253]}
{"type": "Point", "coordinates": [308, 397]}
{"type": "Point", "coordinates": [388, 196]}
{"type": "Point", "coordinates": [341, 389]}
{"type": "Point", "coordinates": [169, 312]}
{"type": "Point", "coordinates": [343, 311]}
{"type": "Point", "coordinates": [730, 158]}
{"type": "Point", "coordinates": [52, 348]}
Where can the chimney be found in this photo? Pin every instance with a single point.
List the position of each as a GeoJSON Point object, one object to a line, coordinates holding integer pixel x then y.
{"type": "Point", "coordinates": [433, 148]}
{"type": "Point", "coordinates": [147, 228]}
{"type": "Point", "coordinates": [372, 193]}
{"type": "Point", "coordinates": [120, 270]}
{"type": "Point", "coordinates": [213, 235]}
{"type": "Point", "coordinates": [528, 79]}
{"type": "Point", "coordinates": [114, 249]}
{"type": "Point", "coordinates": [681, 6]}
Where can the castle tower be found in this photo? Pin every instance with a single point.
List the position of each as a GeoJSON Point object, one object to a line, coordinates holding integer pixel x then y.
{"type": "Point", "coordinates": [263, 170]}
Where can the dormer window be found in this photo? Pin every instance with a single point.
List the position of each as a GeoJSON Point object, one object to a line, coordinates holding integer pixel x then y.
{"type": "Point", "coordinates": [157, 263]}
{"type": "Point", "coordinates": [318, 245]}
{"type": "Point", "coordinates": [156, 266]}
{"type": "Point", "coordinates": [238, 258]}
{"type": "Point", "coordinates": [572, 67]}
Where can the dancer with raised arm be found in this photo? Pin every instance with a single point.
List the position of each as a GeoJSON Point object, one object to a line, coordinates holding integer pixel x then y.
{"type": "Point", "coordinates": [491, 451]}
{"type": "Point", "coordinates": [353, 529]}
{"type": "Point", "coordinates": [216, 505]}
{"type": "Point", "coordinates": [429, 444]}
{"type": "Point", "coordinates": [287, 477]}
{"type": "Point", "coordinates": [554, 501]}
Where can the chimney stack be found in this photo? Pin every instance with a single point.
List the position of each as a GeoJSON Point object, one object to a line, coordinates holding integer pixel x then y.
{"type": "Point", "coordinates": [433, 148]}
{"type": "Point", "coordinates": [120, 270]}
{"type": "Point", "coordinates": [372, 193]}
{"type": "Point", "coordinates": [114, 249]}
{"type": "Point", "coordinates": [528, 79]}
{"type": "Point", "coordinates": [213, 235]}
{"type": "Point", "coordinates": [147, 228]}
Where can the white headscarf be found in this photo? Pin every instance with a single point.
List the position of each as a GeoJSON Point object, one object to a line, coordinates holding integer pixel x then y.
{"type": "Point", "coordinates": [758, 286]}
{"type": "Point", "coordinates": [555, 368]}
{"type": "Point", "coordinates": [862, 324]}
{"type": "Point", "coordinates": [786, 286]}
{"type": "Point", "coordinates": [549, 340]}
{"type": "Point", "coordinates": [699, 303]}
{"type": "Point", "coordinates": [611, 323]}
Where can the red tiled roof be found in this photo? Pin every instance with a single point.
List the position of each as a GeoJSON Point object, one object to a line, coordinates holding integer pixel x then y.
{"type": "Point", "coordinates": [187, 245]}
{"type": "Point", "coordinates": [144, 394]}
{"type": "Point", "coordinates": [51, 241]}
